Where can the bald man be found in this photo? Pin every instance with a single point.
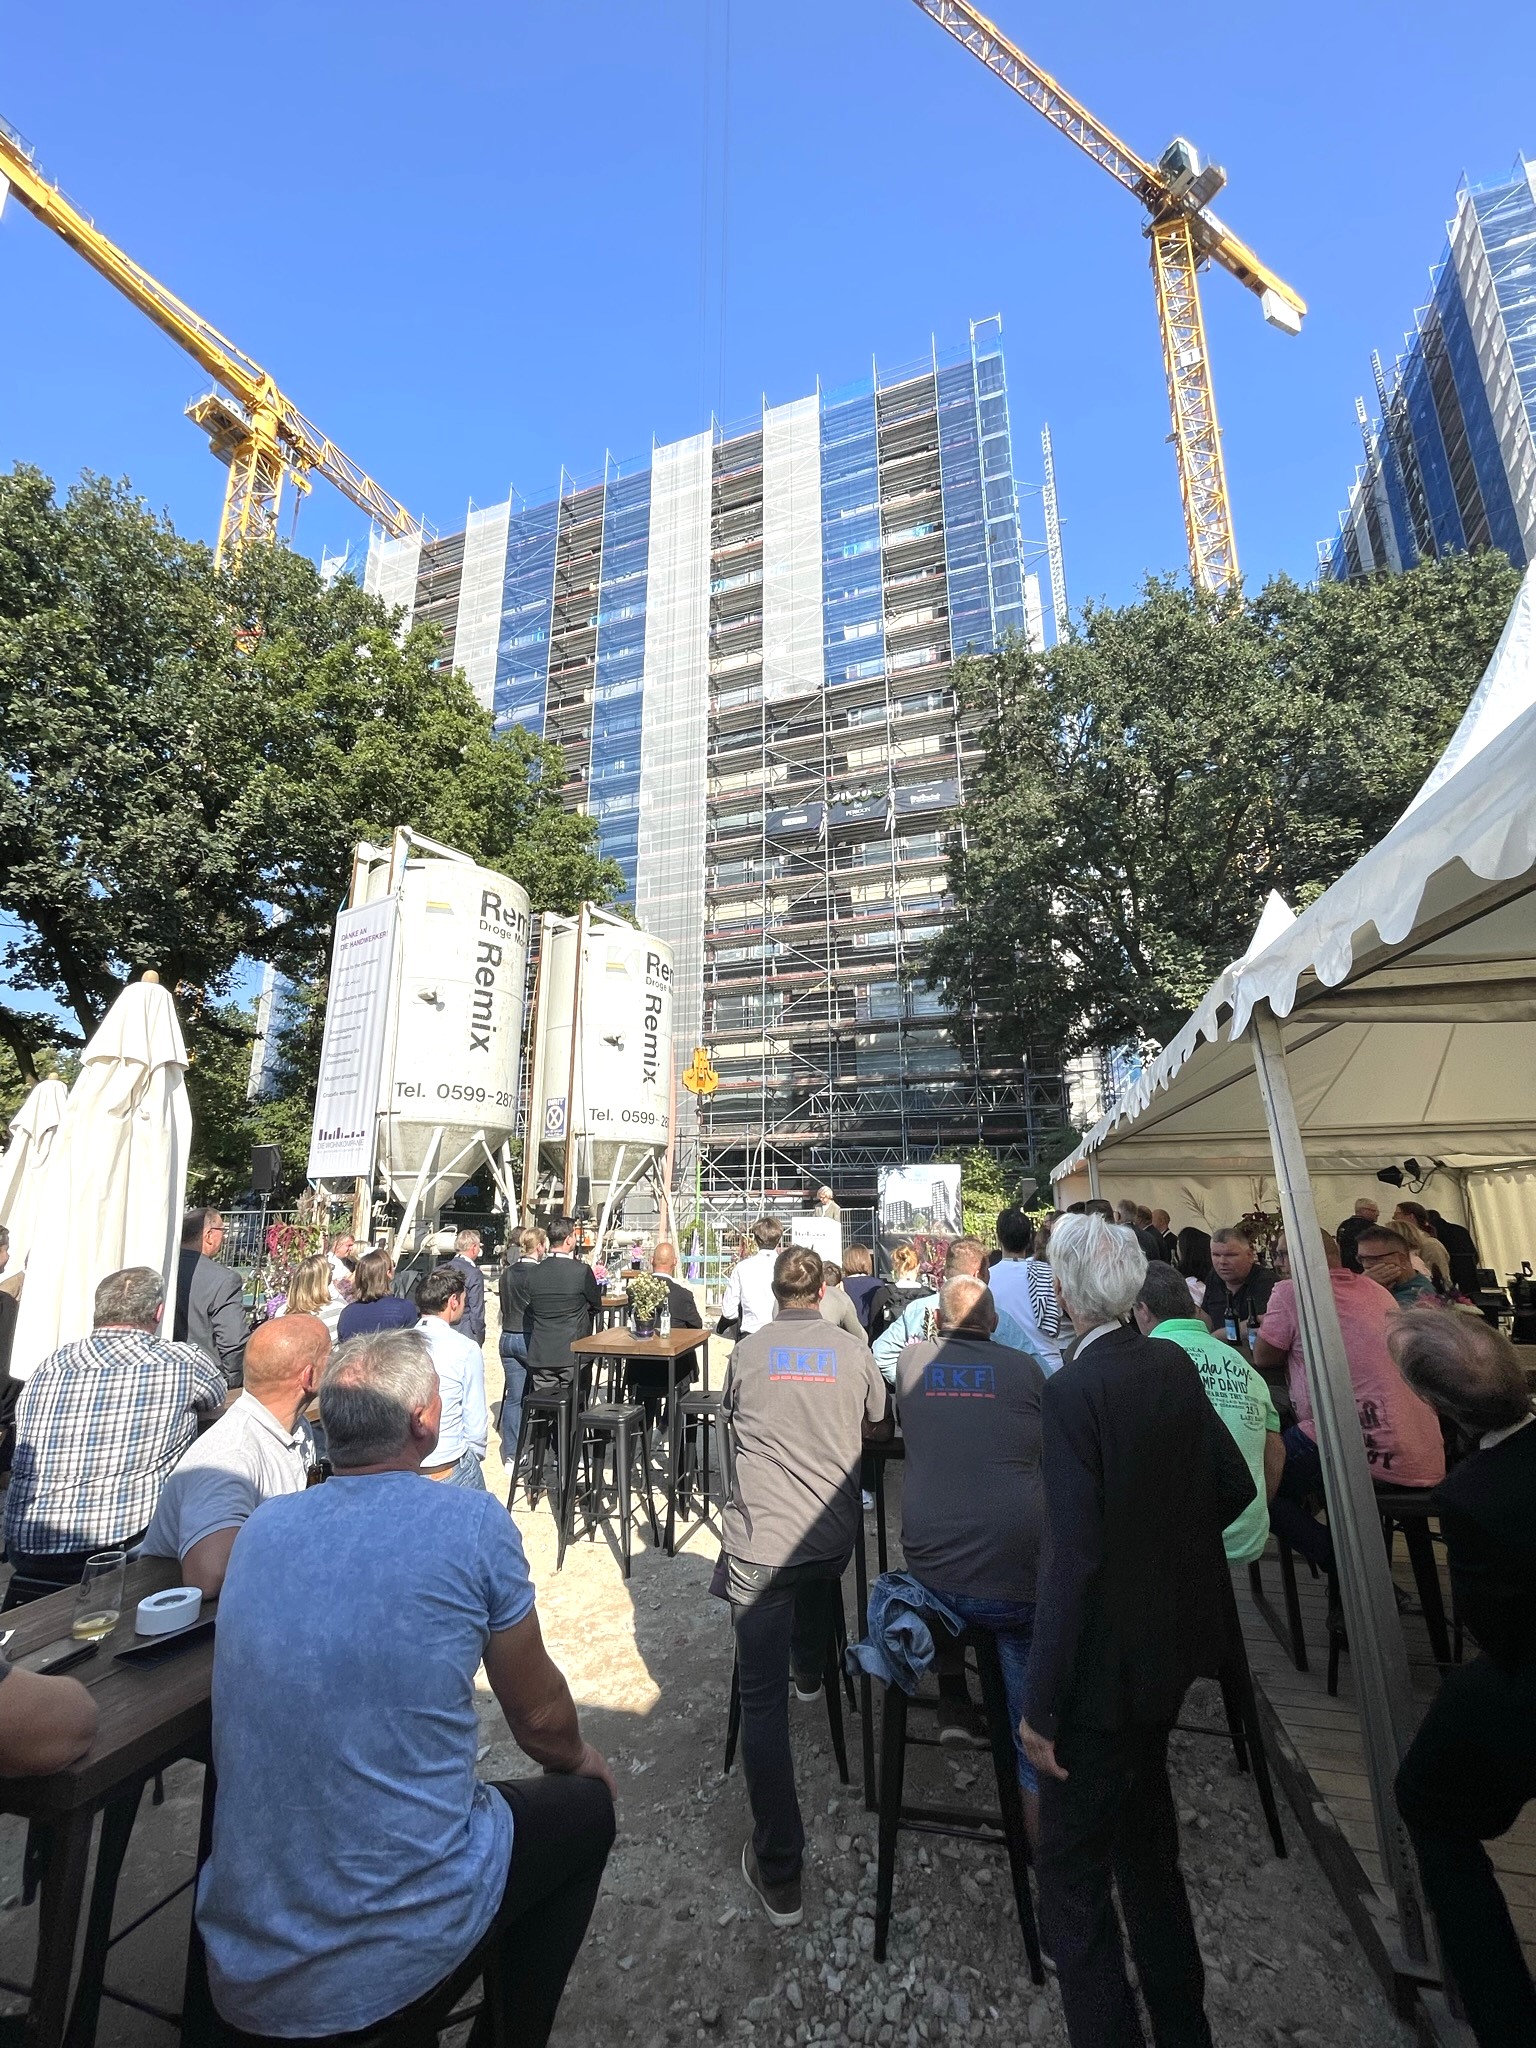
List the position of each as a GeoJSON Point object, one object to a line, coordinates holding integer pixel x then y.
{"type": "Point", "coordinates": [259, 1448]}
{"type": "Point", "coordinates": [647, 1381]}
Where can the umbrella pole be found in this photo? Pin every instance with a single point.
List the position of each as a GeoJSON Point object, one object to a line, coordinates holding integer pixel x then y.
{"type": "Point", "coordinates": [1378, 1654]}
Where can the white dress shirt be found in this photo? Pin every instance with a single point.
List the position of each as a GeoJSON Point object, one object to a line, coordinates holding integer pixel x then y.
{"type": "Point", "coordinates": [460, 1367]}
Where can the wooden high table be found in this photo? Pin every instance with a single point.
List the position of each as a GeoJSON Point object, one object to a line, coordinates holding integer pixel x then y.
{"type": "Point", "coordinates": [667, 1350]}
{"type": "Point", "coordinates": [149, 1716]}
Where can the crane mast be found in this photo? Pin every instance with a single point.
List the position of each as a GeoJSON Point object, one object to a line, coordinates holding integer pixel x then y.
{"type": "Point", "coordinates": [1183, 234]}
{"type": "Point", "coordinates": [1053, 555]}
{"type": "Point", "coordinates": [260, 435]}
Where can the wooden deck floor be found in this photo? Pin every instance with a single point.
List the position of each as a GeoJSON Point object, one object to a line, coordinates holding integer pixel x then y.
{"type": "Point", "coordinates": [1321, 1758]}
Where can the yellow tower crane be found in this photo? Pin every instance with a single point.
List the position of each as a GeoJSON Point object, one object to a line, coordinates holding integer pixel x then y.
{"type": "Point", "coordinates": [261, 436]}
{"type": "Point", "coordinates": [1184, 234]}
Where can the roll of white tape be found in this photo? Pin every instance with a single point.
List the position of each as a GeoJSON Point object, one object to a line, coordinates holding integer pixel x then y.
{"type": "Point", "coordinates": [162, 1614]}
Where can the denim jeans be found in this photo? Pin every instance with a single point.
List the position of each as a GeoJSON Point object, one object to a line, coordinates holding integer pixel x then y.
{"type": "Point", "coordinates": [1011, 1624]}
{"type": "Point", "coordinates": [466, 1473]}
{"type": "Point", "coordinates": [514, 1364]}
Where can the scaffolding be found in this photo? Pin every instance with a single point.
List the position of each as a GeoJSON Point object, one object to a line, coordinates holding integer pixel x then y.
{"type": "Point", "coordinates": [744, 647]}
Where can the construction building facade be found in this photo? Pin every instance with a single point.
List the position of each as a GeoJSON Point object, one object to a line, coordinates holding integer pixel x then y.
{"type": "Point", "coordinates": [743, 646]}
{"type": "Point", "coordinates": [1450, 454]}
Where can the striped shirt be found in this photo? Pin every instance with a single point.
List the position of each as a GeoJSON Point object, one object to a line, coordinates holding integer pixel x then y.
{"type": "Point", "coordinates": [99, 1427]}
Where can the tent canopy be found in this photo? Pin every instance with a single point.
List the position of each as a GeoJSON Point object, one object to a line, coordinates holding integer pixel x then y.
{"type": "Point", "coordinates": [1408, 990]}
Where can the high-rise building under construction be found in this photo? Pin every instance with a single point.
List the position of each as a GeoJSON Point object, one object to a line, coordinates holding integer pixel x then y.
{"type": "Point", "coordinates": [1450, 456]}
{"type": "Point", "coordinates": [743, 645]}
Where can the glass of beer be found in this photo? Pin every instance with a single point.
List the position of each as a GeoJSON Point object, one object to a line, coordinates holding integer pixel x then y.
{"type": "Point", "coordinates": [99, 1598]}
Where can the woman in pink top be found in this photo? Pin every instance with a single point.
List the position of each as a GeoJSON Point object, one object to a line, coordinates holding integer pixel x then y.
{"type": "Point", "coordinates": [1402, 1436]}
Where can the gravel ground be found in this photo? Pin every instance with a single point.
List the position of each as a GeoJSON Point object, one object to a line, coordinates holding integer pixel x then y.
{"type": "Point", "coordinates": [678, 1953]}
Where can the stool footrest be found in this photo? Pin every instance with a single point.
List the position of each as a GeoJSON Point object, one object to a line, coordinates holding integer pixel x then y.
{"type": "Point", "coordinates": [955, 1820]}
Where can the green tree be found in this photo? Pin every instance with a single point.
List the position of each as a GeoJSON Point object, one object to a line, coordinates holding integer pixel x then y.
{"type": "Point", "coordinates": [190, 757]}
{"type": "Point", "coordinates": [1146, 783]}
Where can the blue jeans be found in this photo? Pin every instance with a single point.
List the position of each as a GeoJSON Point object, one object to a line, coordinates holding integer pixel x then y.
{"type": "Point", "coordinates": [1011, 1624]}
{"type": "Point", "coordinates": [466, 1473]}
{"type": "Point", "coordinates": [514, 1363]}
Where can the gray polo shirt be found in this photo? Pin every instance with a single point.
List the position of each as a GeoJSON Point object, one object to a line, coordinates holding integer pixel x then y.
{"type": "Point", "coordinates": [798, 1392]}
{"type": "Point", "coordinates": [247, 1457]}
{"type": "Point", "coordinates": [972, 1508]}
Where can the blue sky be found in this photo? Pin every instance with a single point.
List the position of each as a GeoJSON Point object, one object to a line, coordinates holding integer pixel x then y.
{"type": "Point", "coordinates": [476, 241]}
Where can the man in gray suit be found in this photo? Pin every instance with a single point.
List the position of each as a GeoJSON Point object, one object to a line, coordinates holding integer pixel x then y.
{"type": "Point", "coordinates": [210, 1300]}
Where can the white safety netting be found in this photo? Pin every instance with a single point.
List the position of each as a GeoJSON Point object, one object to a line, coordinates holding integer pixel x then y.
{"type": "Point", "coordinates": [792, 614]}
{"type": "Point", "coordinates": [477, 627]}
{"type": "Point", "coordinates": [669, 877]}
{"type": "Point", "coordinates": [391, 572]}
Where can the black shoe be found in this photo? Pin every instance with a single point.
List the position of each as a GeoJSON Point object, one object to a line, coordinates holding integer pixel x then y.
{"type": "Point", "coordinates": [781, 1902]}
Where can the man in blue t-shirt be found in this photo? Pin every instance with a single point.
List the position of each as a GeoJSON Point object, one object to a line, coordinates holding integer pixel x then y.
{"type": "Point", "coordinates": [383, 1878]}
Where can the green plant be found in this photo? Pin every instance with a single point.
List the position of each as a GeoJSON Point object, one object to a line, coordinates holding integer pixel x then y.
{"type": "Point", "coordinates": [647, 1296]}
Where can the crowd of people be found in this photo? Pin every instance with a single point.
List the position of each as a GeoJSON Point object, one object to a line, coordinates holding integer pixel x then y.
{"type": "Point", "coordinates": [1099, 1417]}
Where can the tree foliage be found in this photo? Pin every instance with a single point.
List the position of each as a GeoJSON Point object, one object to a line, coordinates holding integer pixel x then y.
{"type": "Point", "coordinates": [1146, 783]}
{"type": "Point", "coordinates": [190, 757]}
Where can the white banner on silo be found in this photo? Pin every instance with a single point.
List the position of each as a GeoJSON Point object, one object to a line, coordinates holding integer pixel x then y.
{"type": "Point", "coordinates": [352, 1050]}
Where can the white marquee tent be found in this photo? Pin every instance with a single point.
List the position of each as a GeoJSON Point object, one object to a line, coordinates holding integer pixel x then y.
{"type": "Point", "coordinates": [1395, 1018]}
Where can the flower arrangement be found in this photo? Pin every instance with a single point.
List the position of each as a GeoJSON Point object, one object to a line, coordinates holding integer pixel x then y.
{"type": "Point", "coordinates": [647, 1297]}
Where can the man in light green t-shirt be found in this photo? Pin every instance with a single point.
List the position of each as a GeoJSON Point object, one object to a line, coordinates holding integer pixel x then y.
{"type": "Point", "coordinates": [1237, 1392]}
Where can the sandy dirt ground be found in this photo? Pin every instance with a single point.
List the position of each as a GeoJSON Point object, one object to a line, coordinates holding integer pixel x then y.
{"type": "Point", "coordinates": [677, 1951]}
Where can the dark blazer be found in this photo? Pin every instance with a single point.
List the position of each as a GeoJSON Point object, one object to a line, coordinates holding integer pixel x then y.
{"type": "Point", "coordinates": [1141, 1477]}
{"type": "Point", "coordinates": [472, 1323]}
{"type": "Point", "coordinates": [210, 1312]}
{"type": "Point", "coordinates": [513, 1295]}
{"type": "Point", "coordinates": [682, 1307]}
{"type": "Point", "coordinates": [563, 1301]}
{"type": "Point", "coordinates": [1487, 1507]}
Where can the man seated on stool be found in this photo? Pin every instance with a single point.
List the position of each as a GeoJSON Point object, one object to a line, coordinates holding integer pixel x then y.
{"type": "Point", "coordinates": [354, 1619]}
{"type": "Point", "coordinates": [971, 1501]}
{"type": "Point", "coordinates": [100, 1426]}
{"type": "Point", "coordinates": [800, 1395]}
{"type": "Point", "coordinates": [1237, 1391]}
{"type": "Point", "coordinates": [646, 1378]}
{"type": "Point", "coordinates": [259, 1449]}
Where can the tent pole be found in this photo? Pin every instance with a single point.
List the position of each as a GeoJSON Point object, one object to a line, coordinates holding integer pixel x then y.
{"type": "Point", "coordinates": [1093, 1177]}
{"type": "Point", "coordinates": [1378, 1654]}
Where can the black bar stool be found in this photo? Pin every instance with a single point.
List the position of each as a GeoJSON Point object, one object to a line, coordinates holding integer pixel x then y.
{"type": "Point", "coordinates": [831, 1671]}
{"type": "Point", "coordinates": [703, 1423]}
{"type": "Point", "coordinates": [962, 1823]}
{"type": "Point", "coordinates": [1408, 1508]}
{"type": "Point", "coordinates": [551, 1414]}
{"type": "Point", "coordinates": [1290, 1637]}
{"type": "Point", "coordinates": [623, 1426]}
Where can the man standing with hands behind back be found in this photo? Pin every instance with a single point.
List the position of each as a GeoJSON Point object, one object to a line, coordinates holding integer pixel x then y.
{"type": "Point", "coordinates": [210, 1302]}
{"type": "Point", "coordinates": [1141, 1477]}
{"type": "Point", "coordinates": [564, 1301]}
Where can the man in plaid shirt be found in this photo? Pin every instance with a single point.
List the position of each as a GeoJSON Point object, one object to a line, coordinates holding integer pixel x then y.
{"type": "Point", "coordinates": [99, 1426]}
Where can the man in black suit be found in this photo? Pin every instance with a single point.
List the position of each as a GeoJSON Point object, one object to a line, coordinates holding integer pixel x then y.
{"type": "Point", "coordinates": [1460, 1249]}
{"type": "Point", "coordinates": [1141, 1476]}
{"type": "Point", "coordinates": [465, 1259]}
{"type": "Point", "coordinates": [563, 1304]}
{"type": "Point", "coordinates": [210, 1298]}
{"type": "Point", "coordinates": [1472, 1765]}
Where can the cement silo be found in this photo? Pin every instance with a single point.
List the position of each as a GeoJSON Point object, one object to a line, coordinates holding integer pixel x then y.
{"type": "Point", "coordinates": [601, 1092]}
{"type": "Point", "coordinates": [423, 1041]}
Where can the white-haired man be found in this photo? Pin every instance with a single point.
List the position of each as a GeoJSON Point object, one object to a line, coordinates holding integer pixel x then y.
{"type": "Point", "coordinates": [465, 1259]}
{"type": "Point", "coordinates": [1141, 1478]}
{"type": "Point", "coordinates": [353, 1620]}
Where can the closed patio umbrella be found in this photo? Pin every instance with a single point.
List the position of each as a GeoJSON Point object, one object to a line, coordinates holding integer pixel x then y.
{"type": "Point", "coordinates": [33, 1128]}
{"type": "Point", "coordinates": [112, 1192]}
